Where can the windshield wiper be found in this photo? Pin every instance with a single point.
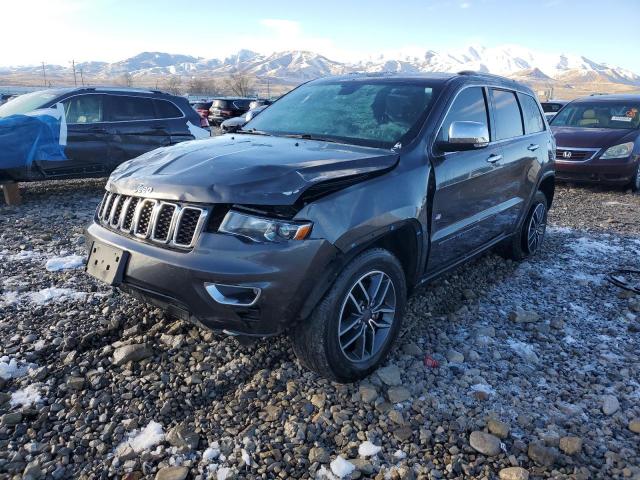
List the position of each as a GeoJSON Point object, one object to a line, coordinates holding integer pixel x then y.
{"type": "Point", "coordinates": [306, 136]}
{"type": "Point", "coordinates": [253, 132]}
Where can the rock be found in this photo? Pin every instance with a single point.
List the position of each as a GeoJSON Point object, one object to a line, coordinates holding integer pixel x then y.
{"type": "Point", "coordinates": [412, 349]}
{"type": "Point", "coordinates": [368, 393]}
{"type": "Point", "coordinates": [519, 315]}
{"type": "Point", "coordinates": [498, 428]}
{"type": "Point", "coordinates": [390, 375]}
{"type": "Point", "coordinates": [11, 418]}
{"type": "Point", "coordinates": [455, 357]}
{"type": "Point", "coordinates": [571, 445]}
{"type": "Point", "coordinates": [398, 394]}
{"type": "Point", "coordinates": [75, 383]}
{"type": "Point", "coordinates": [634, 425]}
{"type": "Point", "coordinates": [172, 473]}
{"type": "Point", "coordinates": [610, 404]}
{"type": "Point", "coordinates": [131, 353]}
{"type": "Point", "coordinates": [403, 433]}
{"type": "Point", "coordinates": [542, 454]}
{"type": "Point", "coordinates": [513, 473]}
{"type": "Point", "coordinates": [126, 453]}
{"type": "Point", "coordinates": [319, 454]}
{"type": "Point", "coordinates": [318, 401]}
{"type": "Point", "coordinates": [32, 471]}
{"type": "Point", "coordinates": [182, 436]}
{"type": "Point", "coordinates": [363, 465]}
{"type": "Point", "coordinates": [485, 443]}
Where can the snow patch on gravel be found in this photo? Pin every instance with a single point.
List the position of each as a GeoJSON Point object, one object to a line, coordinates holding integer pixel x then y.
{"type": "Point", "coordinates": [69, 262]}
{"type": "Point", "coordinates": [9, 368]}
{"type": "Point", "coordinates": [587, 246]}
{"type": "Point", "coordinates": [368, 449]}
{"type": "Point", "coordinates": [42, 297]}
{"type": "Point", "coordinates": [142, 440]}
{"type": "Point", "coordinates": [26, 397]}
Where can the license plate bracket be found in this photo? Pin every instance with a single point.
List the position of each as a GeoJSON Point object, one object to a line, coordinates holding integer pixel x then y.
{"type": "Point", "coordinates": [107, 263]}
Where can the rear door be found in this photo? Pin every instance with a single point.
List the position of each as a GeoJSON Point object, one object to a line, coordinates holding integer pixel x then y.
{"type": "Point", "coordinates": [87, 138]}
{"type": "Point", "coordinates": [137, 129]}
{"type": "Point", "coordinates": [465, 204]}
{"type": "Point", "coordinates": [517, 168]}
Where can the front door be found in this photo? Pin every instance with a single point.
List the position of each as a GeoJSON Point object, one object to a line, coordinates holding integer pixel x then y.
{"type": "Point", "coordinates": [466, 202]}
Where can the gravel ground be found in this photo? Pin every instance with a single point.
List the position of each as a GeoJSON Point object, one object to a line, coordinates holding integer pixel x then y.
{"type": "Point", "coordinates": [503, 370]}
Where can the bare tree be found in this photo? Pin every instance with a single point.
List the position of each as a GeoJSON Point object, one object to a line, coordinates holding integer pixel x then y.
{"type": "Point", "coordinates": [126, 79]}
{"type": "Point", "coordinates": [196, 86]}
{"type": "Point", "coordinates": [173, 85]}
{"type": "Point", "coordinates": [239, 84]}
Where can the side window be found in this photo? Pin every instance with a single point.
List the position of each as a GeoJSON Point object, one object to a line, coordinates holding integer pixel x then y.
{"type": "Point", "coordinates": [166, 109]}
{"type": "Point", "coordinates": [124, 108]}
{"type": "Point", "coordinates": [533, 122]}
{"type": "Point", "coordinates": [84, 109]}
{"type": "Point", "coordinates": [469, 106]}
{"type": "Point", "coordinates": [507, 115]}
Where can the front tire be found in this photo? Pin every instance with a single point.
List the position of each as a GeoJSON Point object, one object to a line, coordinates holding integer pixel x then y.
{"type": "Point", "coordinates": [528, 239]}
{"type": "Point", "coordinates": [352, 329]}
{"type": "Point", "coordinates": [635, 183]}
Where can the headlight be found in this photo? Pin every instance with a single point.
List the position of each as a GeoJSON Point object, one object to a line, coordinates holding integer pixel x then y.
{"type": "Point", "coordinates": [261, 229]}
{"type": "Point", "coordinates": [618, 151]}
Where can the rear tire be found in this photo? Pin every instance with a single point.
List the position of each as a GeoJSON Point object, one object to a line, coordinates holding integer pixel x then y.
{"type": "Point", "coordinates": [531, 234]}
{"type": "Point", "coordinates": [351, 331]}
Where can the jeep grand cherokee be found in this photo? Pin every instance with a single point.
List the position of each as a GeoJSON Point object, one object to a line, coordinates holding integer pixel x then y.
{"type": "Point", "coordinates": [319, 217]}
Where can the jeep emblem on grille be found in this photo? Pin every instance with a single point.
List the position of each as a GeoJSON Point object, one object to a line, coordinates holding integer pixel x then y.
{"type": "Point", "coordinates": [142, 189]}
{"type": "Point", "coordinates": [566, 154]}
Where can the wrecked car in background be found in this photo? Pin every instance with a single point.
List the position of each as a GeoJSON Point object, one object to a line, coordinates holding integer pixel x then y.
{"type": "Point", "coordinates": [321, 228]}
{"type": "Point", "coordinates": [598, 140]}
{"type": "Point", "coordinates": [234, 124]}
{"type": "Point", "coordinates": [97, 129]}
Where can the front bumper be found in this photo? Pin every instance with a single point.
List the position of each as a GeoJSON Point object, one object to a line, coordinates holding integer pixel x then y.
{"type": "Point", "coordinates": [286, 273]}
{"type": "Point", "coordinates": [614, 171]}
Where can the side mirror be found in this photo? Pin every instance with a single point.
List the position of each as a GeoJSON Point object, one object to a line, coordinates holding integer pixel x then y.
{"type": "Point", "coordinates": [466, 136]}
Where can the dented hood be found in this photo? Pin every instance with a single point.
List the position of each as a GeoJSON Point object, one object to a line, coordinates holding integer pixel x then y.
{"type": "Point", "coordinates": [244, 169]}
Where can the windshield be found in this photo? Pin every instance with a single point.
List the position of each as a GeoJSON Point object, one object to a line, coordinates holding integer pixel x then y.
{"type": "Point", "coordinates": [376, 113]}
{"type": "Point", "coordinates": [26, 103]}
{"type": "Point", "coordinates": [599, 115]}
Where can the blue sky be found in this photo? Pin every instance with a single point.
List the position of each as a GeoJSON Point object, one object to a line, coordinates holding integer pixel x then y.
{"type": "Point", "coordinates": [110, 30]}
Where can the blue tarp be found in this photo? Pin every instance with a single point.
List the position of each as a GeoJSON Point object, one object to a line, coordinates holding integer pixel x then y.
{"type": "Point", "coordinates": [25, 138]}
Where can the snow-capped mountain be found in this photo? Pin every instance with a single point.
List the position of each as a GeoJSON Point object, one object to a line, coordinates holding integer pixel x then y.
{"type": "Point", "coordinates": [295, 66]}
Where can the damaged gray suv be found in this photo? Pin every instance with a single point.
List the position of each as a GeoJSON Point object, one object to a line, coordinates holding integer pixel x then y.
{"type": "Point", "coordinates": [320, 216]}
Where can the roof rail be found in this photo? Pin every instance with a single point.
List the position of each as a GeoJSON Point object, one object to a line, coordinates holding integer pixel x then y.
{"type": "Point", "coordinates": [481, 74]}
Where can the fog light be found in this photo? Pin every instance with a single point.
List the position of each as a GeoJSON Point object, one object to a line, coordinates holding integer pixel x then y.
{"type": "Point", "coordinates": [233, 294]}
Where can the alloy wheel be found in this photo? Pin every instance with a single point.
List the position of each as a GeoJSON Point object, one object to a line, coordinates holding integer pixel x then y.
{"type": "Point", "coordinates": [537, 227]}
{"type": "Point", "coordinates": [366, 316]}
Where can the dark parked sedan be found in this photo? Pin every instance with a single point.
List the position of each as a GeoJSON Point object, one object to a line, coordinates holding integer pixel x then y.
{"type": "Point", "coordinates": [102, 128]}
{"type": "Point", "coordinates": [598, 140]}
{"type": "Point", "coordinates": [225, 108]}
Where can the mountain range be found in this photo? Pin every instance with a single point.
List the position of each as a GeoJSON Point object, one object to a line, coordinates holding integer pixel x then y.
{"type": "Point", "coordinates": [296, 66]}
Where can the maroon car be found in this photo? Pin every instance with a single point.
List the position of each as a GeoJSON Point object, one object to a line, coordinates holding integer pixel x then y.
{"type": "Point", "coordinates": [598, 140]}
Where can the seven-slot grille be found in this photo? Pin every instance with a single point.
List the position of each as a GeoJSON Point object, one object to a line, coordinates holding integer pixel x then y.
{"type": "Point", "coordinates": [152, 220]}
{"type": "Point", "coordinates": [575, 154]}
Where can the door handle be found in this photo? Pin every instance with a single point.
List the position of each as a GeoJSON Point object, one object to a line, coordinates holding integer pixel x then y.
{"type": "Point", "coordinates": [533, 147]}
{"type": "Point", "coordinates": [493, 158]}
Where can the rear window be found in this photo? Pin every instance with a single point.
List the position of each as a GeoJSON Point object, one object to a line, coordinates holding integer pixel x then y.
{"type": "Point", "coordinates": [202, 106]}
{"type": "Point", "coordinates": [166, 109]}
{"type": "Point", "coordinates": [124, 108]}
{"type": "Point", "coordinates": [533, 122]}
{"type": "Point", "coordinates": [241, 104]}
{"type": "Point", "coordinates": [507, 115]}
{"type": "Point", "coordinates": [220, 104]}
{"type": "Point", "coordinates": [551, 107]}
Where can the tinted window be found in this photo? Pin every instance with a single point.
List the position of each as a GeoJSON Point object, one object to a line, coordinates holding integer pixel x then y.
{"type": "Point", "coordinates": [379, 112]}
{"type": "Point", "coordinates": [533, 121]}
{"type": "Point", "coordinates": [166, 109]}
{"type": "Point", "coordinates": [84, 109]}
{"type": "Point", "coordinates": [220, 104]}
{"type": "Point", "coordinates": [507, 115]}
{"type": "Point", "coordinates": [469, 106]}
{"type": "Point", "coordinates": [131, 108]}
{"type": "Point", "coordinates": [242, 104]}
{"type": "Point", "coordinates": [551, 107]}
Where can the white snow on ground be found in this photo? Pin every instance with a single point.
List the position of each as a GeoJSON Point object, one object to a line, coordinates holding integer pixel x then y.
{"type": "Point", "coordinates": [9, 368]}
{"type": "Point", "coordinates": [368, 449]}
{"type": "Point", "coordinates": [483, 387]}
{"type": "Point", "coordinates": [524, 350]}
{"type": "Point", "coordinates": [341, 467]}
{"type": "Point", "coordinates": [245, 457]}
{"type": "Point", "coordinates": [399, 454]}
{"type": "Point", "coordinates": [211, 453]}
{"type": "Point", "coordinates": [26, 397]}
{"type": "Point", "coordinates": [223, 473]}
{"type": "Point", "coordinates": [25, 255]}
{"type": "Point", "coordinates": [585, 246]}
{"type": "Point", "coordinates": [42, 297]}
{"type": "Point", "coordinates": [148, 437]}
{"type": "Point", "coordinates": [64, 263]}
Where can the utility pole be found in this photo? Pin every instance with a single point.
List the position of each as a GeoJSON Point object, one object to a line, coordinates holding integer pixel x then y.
{"type": "Point", "coordinates": [75, 80]}
{"type": "Point", "coordinates": [81, 77]}
{"type": "Point", "coordinates": [44, 75]}
{"type": "Point", "coordinates": [268, 89]}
